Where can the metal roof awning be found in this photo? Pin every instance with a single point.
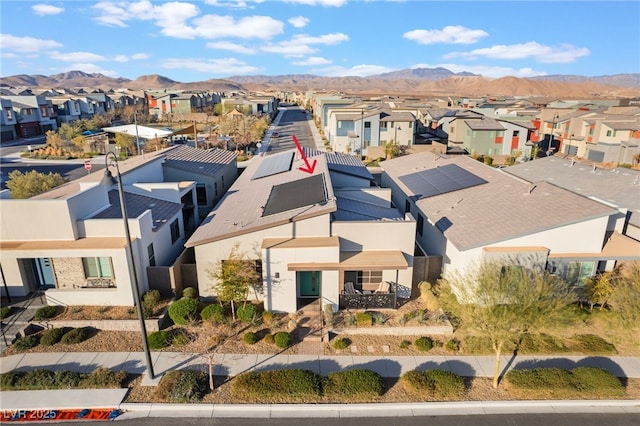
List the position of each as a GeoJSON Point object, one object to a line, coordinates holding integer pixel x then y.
{"type": "Point", "coordinates": [377, 260]}
{"type": "Point", "coordinates": [57, 245]}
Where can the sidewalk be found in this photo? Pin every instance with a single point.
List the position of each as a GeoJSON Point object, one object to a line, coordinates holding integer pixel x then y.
{"type": "Point", "coordinates": [234, 364]}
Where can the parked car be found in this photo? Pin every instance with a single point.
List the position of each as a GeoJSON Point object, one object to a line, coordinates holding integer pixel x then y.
{"type": "Point", "coordinates": [275, 134]}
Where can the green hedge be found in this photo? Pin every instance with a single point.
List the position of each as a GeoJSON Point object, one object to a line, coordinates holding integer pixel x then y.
{"type": "Point", "coordinates": [26, 342]}
{"type": "Point", "coordinates": [424, 343]}
{"type": "Point", "coordinates": [53, 335]}
{"type": "Point", "coordinates": [41, 379]}
{"type": "Point", "coordinates": [76, 335]}
{"type": "Point", "coordinates": [282, 339]}
{"type": "Point", "coordinates": [275, 383]}
{"type": "Point", "coordinates": [183, 386]}
{"type": "Point", "coordinates": [159, 339]}
{"type": "Point", "coordinates": [250, 338]}
{"type": "Point", "coordinates": [341, 343]}
{"type": "Point", "coordinates": [247, 313]}
{"type": "Point", "coordinates": [592, 344]}
{"type": "Point", "coordinates": [214, 313]}
{"type": "Point", "coordinates": [47, 312]}
{"type": "Point", "coordinates": [578, 379]}
{"type": "Point", "coordinates": [358, 383]}
{"type": "Point", "coordinates": [434, 383]}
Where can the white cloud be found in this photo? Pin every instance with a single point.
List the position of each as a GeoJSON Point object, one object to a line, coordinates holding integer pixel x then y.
{"type": "Point", "coordinates": [248, 27]}
{"type": "Point", "coordinates": [313, 60]}
{"type": "Point", "coordinates": [299, 21]}
{"type": "Point", "coordinates": [26, 44]}
{"type": "Point", "coordinates": [224, 66]}
{"type": "Point", "coordinates": [355, 71]}
{"type": "Point", "coordinates": [77, 57]}
{"type": "Point", "coordinates": [121, 58]}
{"type": "Point", "coordinates": [301, 45]}
{"type": "Point", "coordinates": [46, 9]}
{"type": "Point", "coordinates": [167, 15]}
{"type": "Point", "coordinates": [485, 70]}
{"type": "Point", "coordinates": [232, 4]}
{"type": "Point", "coordinates": [452, 34]}
{"type": "Point", "coordinates": [563, 53]}
{"type": "Point", "coordinates": [233, 47]}
{"type": "Point", "coordinates": [138, 56]}
{"type": "Point", "coordinates": [325, 3]}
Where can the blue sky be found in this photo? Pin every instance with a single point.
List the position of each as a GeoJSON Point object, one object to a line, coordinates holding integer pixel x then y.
{"type": "Point", "coordinates": [198, 40]}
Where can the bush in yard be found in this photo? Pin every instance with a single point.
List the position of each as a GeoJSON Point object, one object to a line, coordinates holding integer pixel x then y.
{"type": "Point", "coordinates": [434, 383]}
{"type": "Point", "coordinates": [53, 335]}
{"type": "Point", "coordinates": [180, 337]}
{"type": "Point", "coordinates": [39, 379]}
{"type": "Point", "coordinates": [592, 344]}
{"type": "Point", "coordinates": [190, 293]}
{"type": "Point", "coordinates": [282, 339]}
{"type": "Point", "coordinates": [184, 310]}
{"type": "Point", "coordinates": [47, 312]}
{"type": "Point", "coordinates": [67, 379]}
{"type": "Point", "coordinates": [539, 378]}
{"type": "Point", "coordinates": [591, 378]}
{"type": "Point", "coordinates": [268, 317]}
{"type": "Point", "coordinates": [354, 384]}
{"type": "Point", "coordinates": [364, 319]}
{"type": "Point", "coordinates": [250, 338]}
{"type": "Point", "coordinates": [424, 343]}
{"type": "Point", "coordinates": [247, 313]}
{"type": "Point", "coordinates": [214, 313]}
{"type": "Point", "coordinates": [26, 342]}
{"type": "Point", "coordinates": [75, 335]}
{"type": "Point", "coordinates": [341, 343]}
{"type": "Point", "coordinates": [182, 386]}
{"type": "Point", "coordinates": [452, 345]}
{"type": "Point", "coordinates": [103, 378]}
{"type": "Point", "coordinates": [270, 338]}
{"type": "Point", "coordinates": [159, 339]}
{"type": "Point", "coordinates": [5, 311]}
{"type": "Point", "coordinates": [405, 344]}
{"type": "Point", "coordinates": [150, 300]}
{"type": "Point", "coordinates": [275, 383]}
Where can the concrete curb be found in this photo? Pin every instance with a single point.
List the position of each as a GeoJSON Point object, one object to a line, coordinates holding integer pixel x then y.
{"type": "Point", "coordinates": [131, 411]}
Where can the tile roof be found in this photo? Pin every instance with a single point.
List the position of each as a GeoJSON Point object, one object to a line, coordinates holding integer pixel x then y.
{"type": "Point", "coordinates": [161, 211]}
{"type": "Point", "coordinates": [208, 162]}
{"type": "Point", "coordinates": [504, 208]}
{"type": "Point", "coordinates": [484, 124]}
{"type": "Point", "coordinates": [352, 210]}
{"type": "Point", "coordinates": [342, 163]}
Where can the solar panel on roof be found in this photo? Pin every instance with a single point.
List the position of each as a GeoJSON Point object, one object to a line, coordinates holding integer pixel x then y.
{"type": "Point", "coordinates": [274, 164]}
{"type": "Point", "coordinates": [295, 194]}
{"type": "Point", "coordinates": [440, 180]}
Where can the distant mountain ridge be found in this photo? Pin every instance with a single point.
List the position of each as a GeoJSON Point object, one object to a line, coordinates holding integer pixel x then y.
{"type": "Point", "coordinates": [417, 81]}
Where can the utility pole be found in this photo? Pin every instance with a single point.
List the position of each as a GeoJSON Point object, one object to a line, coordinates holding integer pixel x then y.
{"type": "Point", "coordinates": [135, 120]}
{"type": "Point", "coordinates": [195, 134]}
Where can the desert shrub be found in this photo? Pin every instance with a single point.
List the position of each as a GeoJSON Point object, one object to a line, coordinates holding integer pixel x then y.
{"type": "Point", "coordinates": [67, 379]}
{"type": "Point", "coordinates": [424, 343]}
{"type": "Point", "coordinates": [540, 378]}
{"type": "Point", "coordinates": [452, 345]}
{"type": "Point", "coordinates": [39, 379]}
{"type": "Point", "coordinates": [357, 383]}
{"type": "Point", "coordinates": [159, 339]}
{"type": "Point", "coordinates": [341, 343]}
{"type": "Point", "coordinates": [435, 383]}
{"type": "Point", "coordinates": [247, 313]}
{"type": "Point", "coordinates": [591, 378]}
{"type": "Point", "coordinates": [328, 314]}
{"type": "Point", "coordinates": [75, 335]}
{"type": "Point", "coordinates": [282, 339]}
{"type": "Point", "coordinates": [250, 338]}
{"type": "Point", "coordinates": [214, 313]}
{"type": "Point", "coordinates": [47, 312]}
{"type": "Point", "coordinates": [103, 378]}
{"type": "Point", "coordinates": [5, 311]}
{"type": "Point", "coordinates": [150, 301]}
{"type": "Point", "coordinates": [180, 337]}
{"type": "Point", "coordinates": [268, 317]}
{"type": "Point", "coordinates": [10, 379]}
{"type": "Point", "coordinates": [184, 310]}
{"type": "Point", "coordinates": [182, 386]}
{"type": "Point", "coordinates": [379, 318]}
{"type": "Point", "coordinates": [541, 343]}
{"type": "Point", "coordinates": [405, 344]}
{"type": "Point", "coordinates": [26, 342]}
{"type": "Point", "coordinates": [364, 319]}
{"type": "Point", "coordinates": [477, 345]}
{"type": "Point", "coordinates": [190, 293]}
{"type": "Point", "coordinates": [270, 338]}
{"type": "Point", "coordinates": [488, 161]}
{"type": "Point", "coordinates": [275, 383]}
{"type": "Point", "coordinates": [592, 344]}
{"type": "Point", "coordinates": [52, 336]}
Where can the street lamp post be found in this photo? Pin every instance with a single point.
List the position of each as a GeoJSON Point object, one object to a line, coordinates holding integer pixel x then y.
{"type": "Point", "coordinates": [109, 180]}
{"type": "Point", "coordinates": [135, 120]}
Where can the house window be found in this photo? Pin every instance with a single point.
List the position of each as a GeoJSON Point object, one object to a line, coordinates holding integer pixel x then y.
{"type": "Point", "coordinates": [383, 125]}
{"type": "Point", "coordinates": [175, 231]}
{"type": "Point", "coordinates": [369, 277]}
{"type": "Point", "coordinates": [516, 133]}
{"type": "Point", "coordinates": [201, 194]}
{"type": "Point", "coordinates": [43, 111]}
{"type": "Point", "coordinates": [151, 255]}
{"type": "Point", "coordinates": [97, 267]}
{"type": "Point", "coordinates": [9, 114]}
{"type": "Point", "coordinates": [407, 206]}
{"type": "Point", "coordinates": [578, 271]}
{"type": "Point", "coordinates": [420, 224]}
{"type": "Point", "coordinates": [609, 132]}
{"type": "Point", "coordinates": [367, 124]}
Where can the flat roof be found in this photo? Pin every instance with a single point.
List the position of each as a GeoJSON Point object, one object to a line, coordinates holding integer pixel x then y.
{"type": "Point", "coordinates": [79, 244]}
{"type": "Point", "coordinates": [304, 242]}
{"type": "Point", "coordinates": [374, 260]}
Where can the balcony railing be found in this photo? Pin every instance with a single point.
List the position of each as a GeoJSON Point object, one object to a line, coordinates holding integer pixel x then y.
{"type": "Point", "coordinates": [369, 300]}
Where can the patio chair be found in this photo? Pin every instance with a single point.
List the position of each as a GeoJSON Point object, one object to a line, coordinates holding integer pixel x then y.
{"type": "Point", "coordinates": [349, 288]}
{"type": "Point", "coordinates": [383, 287]}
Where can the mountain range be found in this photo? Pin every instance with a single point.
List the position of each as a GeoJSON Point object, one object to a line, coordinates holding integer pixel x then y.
{"type": "Point", "coordinates": [407, 82]}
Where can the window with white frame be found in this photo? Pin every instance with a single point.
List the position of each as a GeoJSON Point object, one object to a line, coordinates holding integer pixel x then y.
{"type": "Point", "coordinates": [175, 231]}
{"type": "Point", "coordinates": [577, 272]}
{"type": "Point", "coordinates": [97, 267]}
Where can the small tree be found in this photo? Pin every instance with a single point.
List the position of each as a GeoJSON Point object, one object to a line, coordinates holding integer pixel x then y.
{"type": "Point", "coordinates": [503, 303]}
{"type": "Point", "coordinates": [54, 139]}
{"type": "Point", "coordinates": [599, 289]}
{"type": "Point", "coordinates": [26, 185]}
{"type": "Point", "coordinates": [391, 149]}
{"type": "Point", "coordinates": [124, 142]}
{"type": "Point", "coordinates": [235, 276]}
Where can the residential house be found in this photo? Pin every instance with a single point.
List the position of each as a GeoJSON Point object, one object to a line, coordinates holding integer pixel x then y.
{"type": "Point", "coordinates": [7, 120]}
{"type": "Point", "coordinates": [328, 235]}
{"type": "Point", "coordinates": [34, 114]}
{"type": "Point", "coordinates": [467, 212]}
{"type": "Point", "coordinates": [67, 109]}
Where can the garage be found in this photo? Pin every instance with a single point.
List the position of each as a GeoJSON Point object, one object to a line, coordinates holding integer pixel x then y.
{"type": "Point", "coordinates": [597, 156]}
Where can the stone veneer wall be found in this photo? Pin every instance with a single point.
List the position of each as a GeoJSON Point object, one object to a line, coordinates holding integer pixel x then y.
{"type": "Point", "coordinates": [69, 272]}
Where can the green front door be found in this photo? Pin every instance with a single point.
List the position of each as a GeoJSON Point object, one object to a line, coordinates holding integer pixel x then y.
{"type": "Point", "coordinates": [309, 283]}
